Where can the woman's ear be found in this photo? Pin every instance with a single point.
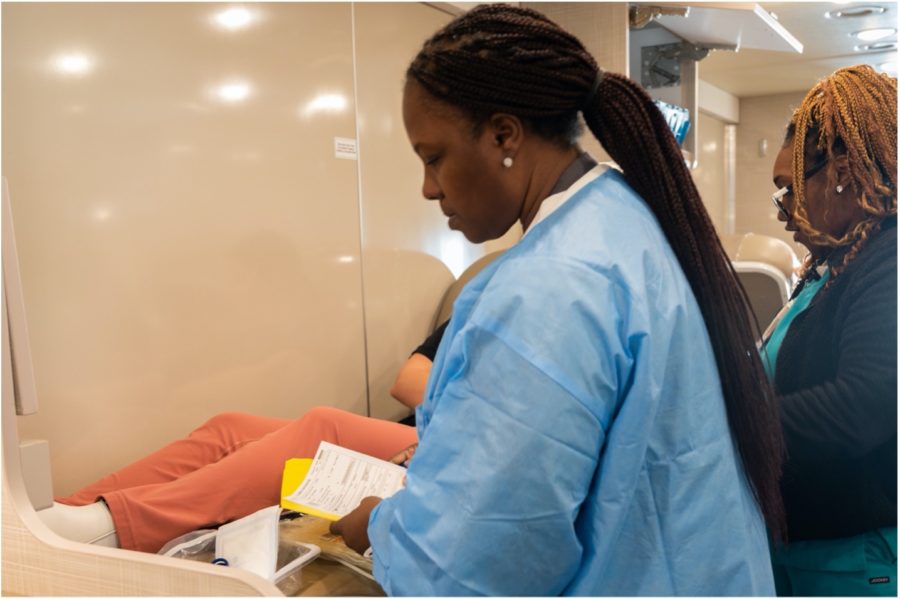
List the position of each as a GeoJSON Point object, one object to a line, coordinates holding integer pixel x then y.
{"type": "Point", "coordinates": [842, 208]}
{"type": "Point", "coordinates": [842, 170]}
{"type": "Point", "coordinates": [507, 131]}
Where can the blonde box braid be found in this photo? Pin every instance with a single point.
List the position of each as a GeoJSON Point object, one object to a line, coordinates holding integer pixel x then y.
{"type": "Point", "coordinates": [500, 58]}
{"type": "Point", "coordinates": [854, 110]}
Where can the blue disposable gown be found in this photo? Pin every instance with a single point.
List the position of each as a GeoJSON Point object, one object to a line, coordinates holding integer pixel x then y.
{"type": "Point", "coordinates": [573, 438]}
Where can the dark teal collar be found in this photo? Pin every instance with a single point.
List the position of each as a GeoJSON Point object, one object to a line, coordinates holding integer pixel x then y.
{"type": "Point", "coordinates": [575, 171]}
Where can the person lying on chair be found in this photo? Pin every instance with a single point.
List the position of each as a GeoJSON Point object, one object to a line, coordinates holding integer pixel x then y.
{"type": "Point", "coordinates": [167, 493]}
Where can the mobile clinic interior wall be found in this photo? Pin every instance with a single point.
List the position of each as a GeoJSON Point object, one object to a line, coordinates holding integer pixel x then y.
{"type": "Point", "coordinates": [216, 210]}
{"type": "Point", "coordinates": [195, 234]}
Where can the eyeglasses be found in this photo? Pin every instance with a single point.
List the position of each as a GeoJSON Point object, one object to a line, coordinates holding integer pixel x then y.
{"type": "Point", "coordinates": [789, 188]}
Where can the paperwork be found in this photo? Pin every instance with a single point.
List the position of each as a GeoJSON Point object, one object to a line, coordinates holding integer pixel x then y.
{"type": "Point", "coordinates": [332, 484]}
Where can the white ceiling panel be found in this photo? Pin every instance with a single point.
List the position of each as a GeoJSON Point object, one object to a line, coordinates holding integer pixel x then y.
{"type": "Point", "coordinates": [740, 25]}
{"type": "Point", "coordinates": [828, 44]}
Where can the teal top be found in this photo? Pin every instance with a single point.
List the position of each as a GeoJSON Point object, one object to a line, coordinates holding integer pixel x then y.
{"type": "Point", "coordinates": [779, 327]}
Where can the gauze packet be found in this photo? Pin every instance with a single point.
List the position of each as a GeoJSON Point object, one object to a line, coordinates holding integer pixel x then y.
{"type": "Point", "coordinates": [251, 543]}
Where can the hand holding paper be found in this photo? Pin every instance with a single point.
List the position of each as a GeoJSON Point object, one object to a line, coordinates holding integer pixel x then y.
{"type": "Point", "coordinates": [354, 527]}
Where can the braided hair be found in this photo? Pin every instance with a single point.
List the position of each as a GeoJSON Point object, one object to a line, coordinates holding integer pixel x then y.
{"type": "Point", "coordinates": [852, 112]}
{"type": "Point", "coordinates": [500, 58]}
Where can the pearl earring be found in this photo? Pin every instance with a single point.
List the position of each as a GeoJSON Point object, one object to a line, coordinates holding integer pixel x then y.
{"type": "Point", "coordinates": [507, 162]}
{"type": "Point", "coordinates": [839, 188]}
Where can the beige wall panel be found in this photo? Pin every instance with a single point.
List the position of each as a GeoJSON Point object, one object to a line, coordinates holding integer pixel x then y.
{"type": "Point", "coordinates": [410, 257]}
{"type": "Point", "coordinates": [601, 26]}
{"type": "Point", "coordinates": [603, 29]}
{"type": "Point", "coordinates": [763, 122]}
{"type": "Point", "coordinates": [709, 176]}
{"type": "Point", "coordinates": [181, 255]}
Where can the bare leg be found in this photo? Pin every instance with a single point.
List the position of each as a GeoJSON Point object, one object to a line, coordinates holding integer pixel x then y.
{"type": "Point", "coordinates": [215, 439]}
{"type": "Point", "coordinates": [244, 481]}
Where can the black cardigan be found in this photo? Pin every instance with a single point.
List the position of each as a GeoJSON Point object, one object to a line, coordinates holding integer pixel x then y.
{"type": "Point", "coordinates": [836, 378]}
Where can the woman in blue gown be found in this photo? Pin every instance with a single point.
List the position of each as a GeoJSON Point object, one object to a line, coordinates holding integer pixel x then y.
{"type": "Point", "coordinates": [597, 420]}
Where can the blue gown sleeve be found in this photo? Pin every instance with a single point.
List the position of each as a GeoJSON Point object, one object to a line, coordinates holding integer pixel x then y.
{"type": "Point", "coordinates": [527, 389]}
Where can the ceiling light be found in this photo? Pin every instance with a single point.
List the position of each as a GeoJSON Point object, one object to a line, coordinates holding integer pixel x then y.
{"type": "Point", "coordinates": [870, 35]}
{"type": "Point", "coordinates": [876, 47]}
{"type": "Point", "coordinates": [889, 67]}
{"type": "Point", "coordinates": [850, 12]}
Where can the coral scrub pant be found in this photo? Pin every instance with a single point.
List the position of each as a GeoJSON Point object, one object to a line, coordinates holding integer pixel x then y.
{"type": "Point", "coordinates": [226, 469]}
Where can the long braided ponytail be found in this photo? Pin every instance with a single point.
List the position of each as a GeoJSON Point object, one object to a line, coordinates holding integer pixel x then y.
{"type": "Point", "coordinates": [500, 58]}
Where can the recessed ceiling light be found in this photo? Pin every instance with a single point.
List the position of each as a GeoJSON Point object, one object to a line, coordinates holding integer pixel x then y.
{"type": "Point", "coordinates": [876, 33]}
{"type": "Point", "coordinates": [888, 67]}
{"type": "Point", "coordinates": [876, 47]}
{"type": "Point", "coordinates": [849, 12]}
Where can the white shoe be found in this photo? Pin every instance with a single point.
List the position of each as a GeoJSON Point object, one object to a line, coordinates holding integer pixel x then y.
{"type": "Point", "coordinates": [90, 523]}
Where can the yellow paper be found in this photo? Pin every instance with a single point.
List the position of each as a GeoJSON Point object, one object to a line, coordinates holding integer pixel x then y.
{"type": "Point", "coordinates": [295, 470]}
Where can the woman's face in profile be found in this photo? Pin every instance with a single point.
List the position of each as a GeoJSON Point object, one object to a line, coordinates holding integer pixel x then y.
{"type": "Point", "coordinates": [463, 171]}
{"type": "Point", "coordinates": [827, 211]}
{"type": "Point", "coordinates": [782, 175]}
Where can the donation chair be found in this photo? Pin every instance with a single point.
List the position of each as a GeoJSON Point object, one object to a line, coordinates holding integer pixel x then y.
{"type": "Point", "coordinates": [765, 267]}
{"type": "Point", "coordinates": [445, 308]}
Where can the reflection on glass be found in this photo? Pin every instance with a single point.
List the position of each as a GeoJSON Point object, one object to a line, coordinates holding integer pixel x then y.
{"type": "Point", "coordinates": [246, 156]}
{"type": "Point", "coordinates": [345, 259]}
{"type": "Point", "coordinates": [325, 103]}
{"type": "Point", "coordinates": [233, 18]}
{"type": "Point", "coordinates": [102, 214]}
{"type": "Point", "coordinates": [73, 64]}
{"type": "Point", "coordinates": [180, 148]}
{"type": "Point", "coordinates": [236, 91]}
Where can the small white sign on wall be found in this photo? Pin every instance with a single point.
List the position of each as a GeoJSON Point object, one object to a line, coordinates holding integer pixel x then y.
{"type": "Point", "coordinates": [344, 147]}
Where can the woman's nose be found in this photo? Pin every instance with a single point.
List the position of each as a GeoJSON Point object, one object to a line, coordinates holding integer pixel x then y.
{"type": "Point", "coordinates": [431, 190]}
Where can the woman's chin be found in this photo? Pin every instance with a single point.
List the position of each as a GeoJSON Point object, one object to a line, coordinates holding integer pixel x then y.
{"type": "Point", "coordinates": [477, 235]}
{"type": "Point", "coordinates": [473, 237]}
{"type": "Point", "coordinates": [803, 240]}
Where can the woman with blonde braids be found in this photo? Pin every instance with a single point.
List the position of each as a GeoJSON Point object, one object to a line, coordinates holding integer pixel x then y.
{"type": "Point", "coordinates": [832, 352]}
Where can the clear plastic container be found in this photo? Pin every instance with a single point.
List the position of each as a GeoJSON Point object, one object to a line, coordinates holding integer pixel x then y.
{"type": "Point", "coordinates": [199, 546]}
